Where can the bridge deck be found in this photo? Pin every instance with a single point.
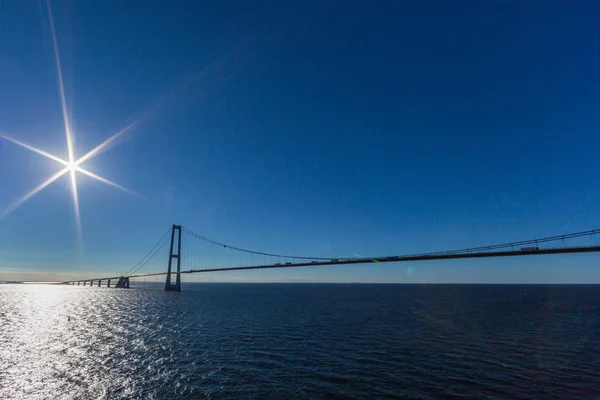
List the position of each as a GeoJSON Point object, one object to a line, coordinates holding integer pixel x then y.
{"type": "Point", "coordinates": [419, 257]}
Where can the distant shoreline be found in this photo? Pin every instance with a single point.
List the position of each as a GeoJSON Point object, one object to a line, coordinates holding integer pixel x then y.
{"type": "Point", "coordinates": [388, 283]}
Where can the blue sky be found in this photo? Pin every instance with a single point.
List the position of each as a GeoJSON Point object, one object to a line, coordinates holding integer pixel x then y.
{"type": "Point", "coordinates": [319, 128]}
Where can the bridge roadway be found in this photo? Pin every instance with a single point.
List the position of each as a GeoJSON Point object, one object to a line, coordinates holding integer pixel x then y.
{"type": "Point", "coordinates": [418, 257]}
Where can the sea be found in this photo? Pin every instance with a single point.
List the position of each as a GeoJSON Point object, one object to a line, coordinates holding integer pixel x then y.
{"type": "Point", "coordinates": [300, 341]}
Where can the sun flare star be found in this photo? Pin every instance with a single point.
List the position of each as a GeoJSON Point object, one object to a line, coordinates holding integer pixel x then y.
{"type": "Point", "coordinates": [71, 166]}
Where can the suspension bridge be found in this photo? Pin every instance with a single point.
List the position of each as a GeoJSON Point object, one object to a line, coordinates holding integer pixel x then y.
{"type": "Point", "coordinates": [207, 255]}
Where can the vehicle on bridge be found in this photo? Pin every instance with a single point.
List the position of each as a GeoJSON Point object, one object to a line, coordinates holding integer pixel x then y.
{"type": "Point", "coordinates": [531, 248]}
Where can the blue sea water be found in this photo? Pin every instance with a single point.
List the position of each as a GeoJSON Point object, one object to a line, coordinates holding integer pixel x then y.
{"type": "Point", "coordinates": [300, 341]}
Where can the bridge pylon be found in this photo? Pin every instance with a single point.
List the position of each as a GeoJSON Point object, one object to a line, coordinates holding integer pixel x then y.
{"type": "Point", "coordinates": [176, 287]}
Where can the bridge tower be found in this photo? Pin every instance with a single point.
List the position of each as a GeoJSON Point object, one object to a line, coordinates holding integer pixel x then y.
{"type": "Point", "coordinates": [169, 287]}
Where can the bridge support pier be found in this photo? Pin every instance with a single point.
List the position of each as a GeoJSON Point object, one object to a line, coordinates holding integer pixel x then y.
{"type": "Point", "coordinates": [169, 287]}
{"type": "Point", "coordinates": [123, 283]}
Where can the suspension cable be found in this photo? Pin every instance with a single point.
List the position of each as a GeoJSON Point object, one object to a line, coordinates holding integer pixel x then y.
{"type": "Point", "coordinates": [144, 259]}
{"type": "Point", "coordinates": [151, 257]}
{"type": "Point", "coordinates": [521, 243]}
{"type": "Point", "coordinates": [459, 251]}
{"type": "Point", "coordinates": [251, 251]}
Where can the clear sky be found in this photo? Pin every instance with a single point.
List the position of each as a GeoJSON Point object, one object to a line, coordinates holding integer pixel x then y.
{"type": "Point", "coordinates": [321, 128]}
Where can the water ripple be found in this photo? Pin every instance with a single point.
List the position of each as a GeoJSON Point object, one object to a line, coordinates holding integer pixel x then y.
{"type": "Point", "coordinates": [300, 341]}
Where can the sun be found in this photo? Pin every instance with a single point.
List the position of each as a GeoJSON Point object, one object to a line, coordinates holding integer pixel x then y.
{"type": "Point", "coordinates": [69, 167]}
{"type": "Point", "coordinates": [72, 166]}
